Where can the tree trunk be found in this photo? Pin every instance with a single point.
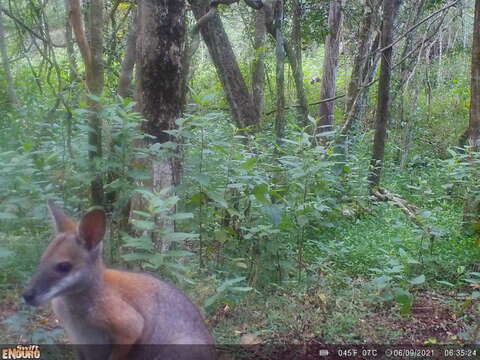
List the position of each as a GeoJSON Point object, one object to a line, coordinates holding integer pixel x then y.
{"type": "Point", "coordinates": [258, 72]}
{"type": "Point", "coordinates": [95, 82]}
{"type": "Point", "coordinates": [294, 54]}
{"type": "Point", "coordinates": [236, 91]}
{"type": "Point", "coordinates": [407, 110]}
{"type": "Point", "coordinates": [360, 63]}
{"type": "Point", "coordinates": [472, 210]}
{"type": "Point", "coordinates": [160, 84]}
{"type": "Point", "coordinates": [332, 45]}
{"type": "Point", "coordinates": [73, 76]}
{"type": "Point", "coordinates": [474, 123]}
{"type": "Point", "coordinates": [92, 54]}
{"type": "Point", "coordinates": [280, 72]}
{"type": "Point", "coordinates": [11, 93]}
{"type": "Point", "coordinates": [383, 98]}
{"type": "Point", "coordinates": [128, 63]}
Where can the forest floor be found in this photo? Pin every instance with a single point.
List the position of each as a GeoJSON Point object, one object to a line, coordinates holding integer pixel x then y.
{"type": "Point", "coordinates": [309, 318]}
{"type": "Point", "coordinates": [339, 301]}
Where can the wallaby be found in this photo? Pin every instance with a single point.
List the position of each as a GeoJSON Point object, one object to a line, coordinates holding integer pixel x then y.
{"type": "Point", "coordinates": [117, 309]}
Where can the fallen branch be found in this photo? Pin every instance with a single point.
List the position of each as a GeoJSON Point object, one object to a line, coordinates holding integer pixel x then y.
{"type": "Point", "coordinates": [310, 104]}
{"type": "Point", "coordinates": [410, 210]}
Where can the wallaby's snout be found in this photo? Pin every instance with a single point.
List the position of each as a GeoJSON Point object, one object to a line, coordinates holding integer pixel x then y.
{"type": "Point", "coordinates": [29, 296]}
{"type": "Point", "coordinates": [32, 293]}
{"type": "Point", "coordinates": [64, 266]}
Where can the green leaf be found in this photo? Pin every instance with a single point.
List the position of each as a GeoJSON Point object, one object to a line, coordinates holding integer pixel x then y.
{"type": "Point", "coordinates": [241, 288]}
{"type": "Point", "coordinates": [249, 164]}
{"type": "Point", "coordinates": [221, 236]}
{"type": "Point", "coordinates": [140, 243]}
{"type": "Point", "coordinates": [228, 283]}
{"type": "Point", "coordinates": [418, 280]}
{"type": "Point", "coordinates": [218, 198]}
{"type": "Point", "coordinates": [180, 236]}
{"type": "Point", "coordinates": [181, 216]}
{"type": "Point", "coordinates": [135, 257]}
{"type": "Point", "coordinates": [445, 283]}
{"type": "Point", "coordinates": [4, 253]}
{"type": "Point", "coordinates": [198, 198]}
{"type": "Point", "coordinates": [382, 282]}
{"type": "Point", "coordinates": [179, 253]}
{"type": "Point", "coordinates": [476, 294]}
{"type": "Point", "coordinates": [405, 300]}
{"type": "Point", "coordinates": [144, 225]}
{"type": "Point", "coordinates": [202, 179]}
{"type": "Point", "coordinates": [302, 220]}
{"type": "Point", "coordinates": [211, 300]}
{"type": "Point", "coordinates": [7, 216]}
{"type": "Point", "coordinates": [275, 213]}
{"type": "Point", "coordinates": [260, 191]}
{"type": "Point", "coordinates": [93, 97]}
{"type": "Point", "coordinates": [27, 146]}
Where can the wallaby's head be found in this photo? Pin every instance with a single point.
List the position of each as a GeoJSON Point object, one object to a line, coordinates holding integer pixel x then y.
{"type": "Point", "coordinates": [72, 261]}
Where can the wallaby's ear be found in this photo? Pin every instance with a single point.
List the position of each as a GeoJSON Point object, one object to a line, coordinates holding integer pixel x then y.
{"type": "Point", "coordinates": [92, 228]}
{"type": "Point", "coordinates": [61, 221]}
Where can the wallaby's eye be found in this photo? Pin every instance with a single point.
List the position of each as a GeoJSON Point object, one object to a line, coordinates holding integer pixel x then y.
{"type": "Point", "coordinates": [63, 267]}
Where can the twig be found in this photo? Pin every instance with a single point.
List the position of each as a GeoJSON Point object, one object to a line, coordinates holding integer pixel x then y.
{"type": "Point", "coordinates": [310, 104]}
{"type": "Point", "coordinates": [25, 26]}
{"type": "Point", "coordinates": [413, 27]}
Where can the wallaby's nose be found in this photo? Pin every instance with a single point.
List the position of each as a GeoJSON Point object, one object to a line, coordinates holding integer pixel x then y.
{"type": "Point", "coordinates": [29, 296]}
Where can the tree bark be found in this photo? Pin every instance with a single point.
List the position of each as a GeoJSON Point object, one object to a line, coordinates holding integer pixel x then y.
{"type": "Point", "coordinates": [128, 63]}
{"type": "Point", "coordinates": [160, 49]}
{"type": "Point", "coordinates": [236, 91]}
{"type": "Point", "coordinates": [280, 73]}
{"type": "Point", "coordinates": [69, 44]}
{"type": "Point", "coordinates": [295, 59]}
{"type": "Point", "coordinates": [389, 9]}
{"type": "Point", "coordinates": [472, 208]}
{"type": "Point", "coordinates": [474, 122]}
{"type": "Point", "coordinates": [332, 45]}
{"type": "Point", "coordinates": [11, 92]}
{"type": "Point", "coordinates": [258, 72]}
{"type": "Point", "coordinates": [160, 84]}
{"type": "Point", "coordinates": [95, 81]}
{"type": "Point", "coordinates": [92, 54]}
{"type": "Point", "coordinates": [360, 63]}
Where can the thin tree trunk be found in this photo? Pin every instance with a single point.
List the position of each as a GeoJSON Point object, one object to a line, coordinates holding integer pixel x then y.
{"type": "Point", "coordinates": [294, 54]}
{"type": "Point", "coordinates": [376, 164]}
{"type": "Point", "coordinates": [72, 64]}
{"type": "Point", "coordinates": [360, 63]}
{"type": "Point", "coordinates": [95, 82]}
{"type": "Point", "coordinates": [236, 91]}
{"type": "Point", "coordinates": [11, 93]}
{"type": "Point", "coordinates": [280, 73]}
{"type": "Point", "coordinates": [92, 54]}
{"type": "Point", "coordinates": [258, 72]}
{"type": "Point", "coordinates": [472, 209]}
{"type": "Point", "coordinates": [72, 77]}
{"type": "Point", "coordinates": [128, 63]}
{"type": "Point", "coordinates": [160, 84]}
{"type": "Point", "coordinates": [474, 123]}
{"type": "Point", "coordinates": [332, 46]}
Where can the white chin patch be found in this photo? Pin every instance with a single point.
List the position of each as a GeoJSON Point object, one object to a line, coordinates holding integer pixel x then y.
{"type": "Point", "coordinates": [58, 288]}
